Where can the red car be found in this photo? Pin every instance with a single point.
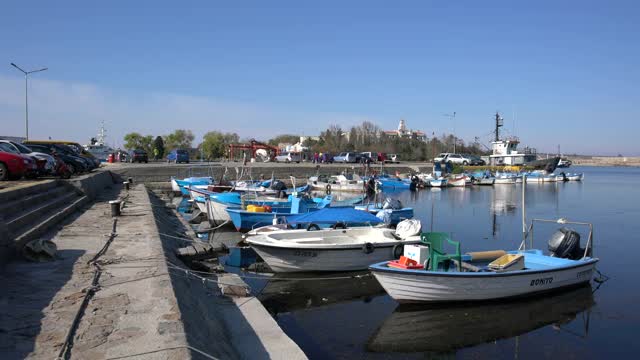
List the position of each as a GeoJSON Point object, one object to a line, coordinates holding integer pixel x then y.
{"type": "Point", "coordinates": [16, 165]}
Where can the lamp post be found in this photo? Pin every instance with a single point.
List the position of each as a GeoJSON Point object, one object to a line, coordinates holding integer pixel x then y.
{"type": "Point", "coordinates": [26, 96]}
{"type": "Point", "coordinates": [455, 140]}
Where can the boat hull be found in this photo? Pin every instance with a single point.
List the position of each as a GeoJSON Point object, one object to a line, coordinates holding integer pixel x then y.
{"type": "Point", "coordinates": [216, 212]}
{"type": "Point", "coordinates": [423, 286]}
{"type": "Point", "coordinates": [310, 260]}
{"type": "Point", "coordinates": [511, 180]}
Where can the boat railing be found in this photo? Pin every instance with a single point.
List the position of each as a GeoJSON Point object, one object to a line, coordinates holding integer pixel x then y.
{"type": "Point", "coordinates": [588, 250]}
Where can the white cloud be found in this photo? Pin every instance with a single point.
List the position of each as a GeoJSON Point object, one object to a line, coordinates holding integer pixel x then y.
{"type": "Point", "coordinates": [67, 110]}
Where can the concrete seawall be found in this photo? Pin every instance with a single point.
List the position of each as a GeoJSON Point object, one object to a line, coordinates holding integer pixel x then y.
{"type": "Point", "coordinates": [127, 293]}
{"type": "Point", "coordinates": [159, 172]}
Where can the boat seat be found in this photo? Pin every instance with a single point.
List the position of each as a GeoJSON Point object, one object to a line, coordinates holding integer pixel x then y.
{"type": "Point", "coordinates": [437, 254]}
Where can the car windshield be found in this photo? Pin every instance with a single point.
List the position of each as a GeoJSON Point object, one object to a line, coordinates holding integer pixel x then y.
{"type": "Point", "coordinates": [8, 148]}
{"type": "Point", "coordinates": [343, 154]}
{"type": "Point", "coordinates": [182, 152]}
{"type": "Point", "coordinates": [23, 149]}
{"type": "Point", "coordinates": [139, 152]}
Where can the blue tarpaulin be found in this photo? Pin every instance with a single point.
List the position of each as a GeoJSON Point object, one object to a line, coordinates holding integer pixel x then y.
{"type": "Point", "coordinates": [332, 215]}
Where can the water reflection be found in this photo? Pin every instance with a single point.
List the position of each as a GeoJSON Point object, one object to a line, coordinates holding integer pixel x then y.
{"type": "Point", "coordinates": [292, 292]}
{"type": "Point", "coordinates": [448, 328]}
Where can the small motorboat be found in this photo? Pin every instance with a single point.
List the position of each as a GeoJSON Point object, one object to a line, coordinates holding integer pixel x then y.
{"type": "Point", "coordinates": [574, 176]}
{"type": "Point", "coordinates": [457, 180]}
{"type": "Point", "coordinates": [390, 211]}
{"type": "Point", "coordinates": [394, 183]}
{"type": "Point", "coordinates": [183, 185]}
{"type": "Point", "coordinates": [505, 178]}
{"type": "Point", "coordinates": [247, 219]}
{"type": "Point", "coordinates": [489, 275]}
{"type": "Point", "coordinates": [438, 182]}
{"type": "Point", "coordinates": [351, 183]}
{"type": "Point", "coordinates": [339, 249]}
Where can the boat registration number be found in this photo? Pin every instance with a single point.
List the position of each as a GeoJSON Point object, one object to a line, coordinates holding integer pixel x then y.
{"type": "Point", "coordinates": [305, 253]}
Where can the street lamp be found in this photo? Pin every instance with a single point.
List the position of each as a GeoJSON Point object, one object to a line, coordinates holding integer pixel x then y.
{"type": "Point", "coordinates": [26, 96]}
{"type": "Point", "coordinates": [455, 140]}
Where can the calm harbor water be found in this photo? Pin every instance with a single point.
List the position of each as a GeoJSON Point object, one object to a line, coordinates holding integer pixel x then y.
{"type": "Point", "coordinates": [353, 318]}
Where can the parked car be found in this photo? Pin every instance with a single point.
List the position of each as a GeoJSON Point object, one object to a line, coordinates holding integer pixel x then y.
{"type": "Point", "coordinates": [382, 157]}
{"type": "Point", "coordinates": [475, 160]}
{"type": "Point", "coordinates": [75, 164]}
{"type": "Point", "coordinates": [138, 155]}
{"type": "Point", "coordinates": [346, 157]}
{"type": "Point", "coordinates": [14, 165]}
{"type": "Point", "coordinates": [46, 163]}
{"type": "Point", "coordinates": [178, 156]}
{"type": "Point", "coordinates": [76, 148]}
{"type": "Point", "coordinates": [457, 159]}
{"type": "Point", "coordinates": [289, 157]}
{"type": "Point", "coordinates": [440, 157]}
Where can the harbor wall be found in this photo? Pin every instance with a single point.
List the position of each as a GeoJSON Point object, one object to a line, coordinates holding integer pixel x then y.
{"type": "Point", "coordinates": [160, 172]}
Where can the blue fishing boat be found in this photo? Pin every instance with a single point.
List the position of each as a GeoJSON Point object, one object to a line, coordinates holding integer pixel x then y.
{"type": "Point", "coordinates": [183, 185]}
{"type": "Point", "coordinates": [245, 220]}
{"type": "Point", "coordinates": [388, 215]}
{"type": "Point", "coordinates": [394, 183]}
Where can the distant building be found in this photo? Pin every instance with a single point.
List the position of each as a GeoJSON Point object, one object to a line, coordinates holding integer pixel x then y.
{"type": "Point", "coordinates": [403, 132]}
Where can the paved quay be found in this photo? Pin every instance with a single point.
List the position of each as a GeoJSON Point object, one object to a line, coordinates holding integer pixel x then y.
{"type": "Point", "coordinates": [136, 300]}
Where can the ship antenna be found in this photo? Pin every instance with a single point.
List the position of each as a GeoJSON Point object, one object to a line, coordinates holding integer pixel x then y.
{"type": "Point", "coordinates": [499, 123]}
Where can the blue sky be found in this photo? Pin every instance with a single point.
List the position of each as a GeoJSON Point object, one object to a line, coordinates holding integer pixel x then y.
{"type": "Point", "coordinates": [562, 72]}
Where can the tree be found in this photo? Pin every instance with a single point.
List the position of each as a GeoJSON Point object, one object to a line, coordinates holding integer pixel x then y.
{"type": "Point", "coordinates": [158, 144]}
{"type": "Point", "coordinates": [214, 143]}
{"type": "Point", "coordinates": [135, 140]}
{"type": "Point", "coordinates": [285, 138]}
{"type": "Point", "coordinates": [179, 139]}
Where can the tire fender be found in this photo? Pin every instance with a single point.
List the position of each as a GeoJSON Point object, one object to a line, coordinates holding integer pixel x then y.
{"type": "Point", "coordinates": [398, 250]}
{"type": "Point", "coordinates": [367, 248]}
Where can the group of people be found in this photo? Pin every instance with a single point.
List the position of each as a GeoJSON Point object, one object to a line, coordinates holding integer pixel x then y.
{"type": "Point", "coordinates": [319, 157]}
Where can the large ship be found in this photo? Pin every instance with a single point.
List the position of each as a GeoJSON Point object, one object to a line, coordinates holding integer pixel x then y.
{"type": "Point", "coordinates": [98, 147]}
{"type": "Point", "coordinates": [505, 152]}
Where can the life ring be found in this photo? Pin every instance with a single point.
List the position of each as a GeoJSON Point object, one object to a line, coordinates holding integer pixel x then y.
{"type": "Point", "coordinates": [339, 225]}
{"type": "Point", "coordinates": [328, 188]}
{"type": "Point", "coordinates": [313, 227]}
{"type": "Point", "coordinates": [367, 248]}
{"type": "Point", "coordinates": [398, 250]}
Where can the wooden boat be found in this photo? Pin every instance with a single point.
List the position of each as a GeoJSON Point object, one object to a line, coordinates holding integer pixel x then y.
{"type": "Point", "coordinates": [478, 279]}
{"type": "Point", "coordinates": [439, 183]}
{"type": "Point", "coordinates": [457, 181]}
{"type": "Point", "coordinates": [328, 250]}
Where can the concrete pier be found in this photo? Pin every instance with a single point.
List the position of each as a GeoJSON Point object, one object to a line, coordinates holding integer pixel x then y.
{"type": "Point", "coordinates": [134, 300]}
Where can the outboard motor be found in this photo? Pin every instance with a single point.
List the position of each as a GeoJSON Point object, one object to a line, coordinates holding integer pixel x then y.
{"type": "Point", "coordinates": [565, 243]}
{"type": "Point", "coordinates": [278, 185]}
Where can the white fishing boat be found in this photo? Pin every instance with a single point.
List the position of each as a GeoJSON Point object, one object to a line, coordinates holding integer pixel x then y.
{"type": "Point", "coordinates": [328, 250]}
{"type": "Point", "coordinates": [438, 183]}
{"type": "Point", "coordinates": [457, 181]}
{"type": "Point", "coordinates": [352, 183]}
{"type": "Point", "coordinates": [504, 180]}
{"type": "Point", "coordinates": [443, 276]}
{"type": "Point", "coordinates": [574, 177]}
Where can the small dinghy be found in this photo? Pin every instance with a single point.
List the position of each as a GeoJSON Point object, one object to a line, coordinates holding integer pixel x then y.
{"type": "Point", "coordinates": [339, 249]}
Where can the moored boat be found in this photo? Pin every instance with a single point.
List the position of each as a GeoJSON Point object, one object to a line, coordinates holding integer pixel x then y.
{"type": "Point", "coordinates": [353, 183]}
{"type": "Point", "coordinates": [328, 249]}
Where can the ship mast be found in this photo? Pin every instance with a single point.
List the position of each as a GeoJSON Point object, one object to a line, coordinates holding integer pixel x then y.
{"type": "Point", "coordinates": [101, 134]}
{"type": "Point", "coordinates": [499, 123]}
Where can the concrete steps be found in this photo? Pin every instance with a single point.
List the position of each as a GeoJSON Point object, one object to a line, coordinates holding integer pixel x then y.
{"type": "Point", "coordinates": [31, 211]}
